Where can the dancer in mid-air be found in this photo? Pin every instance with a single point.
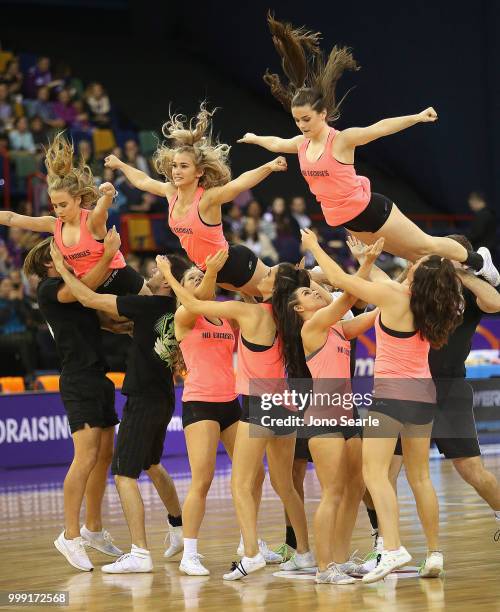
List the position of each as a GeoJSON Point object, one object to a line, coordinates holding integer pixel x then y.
{"type": "Point", "coordinates": [198, 184]}
{"type": "Point", "coordinates": [326, 155]}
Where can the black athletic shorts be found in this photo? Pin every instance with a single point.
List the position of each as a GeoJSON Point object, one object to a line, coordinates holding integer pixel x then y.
{"type": "Point", "coordinates": [405, 411]}
{"type": "Point", "coordinates": [302, 449]}
{"type": "Point", "coordinates": [122, 281]}
{"type": "Point", "coordinates": [224, 413]}
{"type": "Point", "coordinates": [252, 413]}
{"type": "Point", "coordinates": [141, 434]}
{"type": "Point", "coordinates": [239, 267]}
{"type": "Point", "coordinates": [374, 215]}
{"type": "Point", "coordinates": [88, 398]}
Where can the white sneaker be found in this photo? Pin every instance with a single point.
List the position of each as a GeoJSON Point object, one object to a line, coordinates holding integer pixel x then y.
{"type": "Point", "coordinates": [389, 561]}
{"type": "Point", "coordinates": [130, 563]}
{"type": "Point", "coordinates": [432, 567]}
{"type": "Point", "coordinates": [269, 555]}
{"type": "Point", "coordinates": [488, 271]}
{"type": "Point", "coordinates": [74, 551]}
{"type": "Point", "coordinates": [333, 575]}
{"type": "Point", "coordinates": [175, 541]}
{"type": "Point", "coordinates": [247, 565]}
{"type": "Point", "coordinates": [370, 562]}
{"type": "Point", "coordinates": [299, 561]}
{"type": "Point", "coordinates": [351, 565]}
{"type": "Point", "coordinates": [192, 566]}
{"type": "Point", "coordinates": [100, 540]}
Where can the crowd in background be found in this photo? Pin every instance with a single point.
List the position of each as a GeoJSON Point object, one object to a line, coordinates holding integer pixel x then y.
{"type": "Point", "coordinates": [37, 102]}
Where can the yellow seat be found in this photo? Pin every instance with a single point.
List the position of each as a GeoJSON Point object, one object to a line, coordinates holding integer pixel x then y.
{"type": "Point", "coordinates": [104, 142]}
{"type": "Point", "coordinates": [116, 378]}
{"type": "Point", "coordinates": [47, 382]}
{"type": "Point", "coordinates": [12, 384]}
{"type": "Point", "coordinates": [5, 57]}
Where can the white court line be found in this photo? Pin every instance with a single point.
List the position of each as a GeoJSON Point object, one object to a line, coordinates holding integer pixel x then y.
{"type": "Point", "coordinates": [401, 503]}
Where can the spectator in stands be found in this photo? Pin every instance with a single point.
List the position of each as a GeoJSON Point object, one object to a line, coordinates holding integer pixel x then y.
{"type": "Point", "coordinates": [38, 76]}
{"type": "Point", "coordinates": [12, 77]}
{"type": "Point", "coordinates": [266, 222]}
{"type": "Point", "coordinates": [85, 151]}
{"type": "Point", "coordinates": [132, 195]}
{"type": "Point", "coordinates": [233, 222]}
{"type": "Point", "coordinates": [19, 243]}
{"type": "Point", "coordinates": [148, 204]}
{"type": "Point", "coordinates": [287, 241]}
{"type": "Point", "coordinates": [133, 157]}
{"type": "Point", "coordinates": [44, 108]}
{"type": "Point", "coordinates": [82, 122]}
{"type": "Point", "coordinates": [40, 136]}
{"type": "Point", "coordinates": [258, 242]}
{"type": "Point", "coordinates": [64, 109]}
{"type": "Point", "coordinates": [482, 231]}
{"type": "Point", "coordinates": [15, 318]}
{"type": "Point", "coordinates": [299, 212]}
{"type": "Point", "coordinates": [4, 143]}
{"type": "Point", "coordinates": [20, 138]}
{"type": "Point", "coordinates": [6, 108]}
{"type": "Point", "coordinates": [5, 259]}
{"type": "Point", "coordinates": [99, 105]}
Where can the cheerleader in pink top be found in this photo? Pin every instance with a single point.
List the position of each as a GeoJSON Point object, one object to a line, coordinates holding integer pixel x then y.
{"type": "Point", "coordinates": [259, 356]}
{"type": "Point", "coordinates": [326, 155]}
{"type": "Point", "coordinates": [409, 322]}
{"type": "Point", "coordinates": [79, 227]}
{"type": "Point", "coordinates": [317, 345]}
{"type": "Point", "coordinates": [198, 184]}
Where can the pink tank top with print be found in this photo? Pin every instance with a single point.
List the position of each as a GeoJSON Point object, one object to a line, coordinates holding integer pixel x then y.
{"type": "Point", "coordinates": [332, 360]}
{"type": "Point", "coordinates": [197, 238]}
{"type": "Point", "coordinates": [343, 194]}
{"type": "Point", "coordinates": [208, 355]}
{"type": "Point", "coordinates": [84, 255]}
{"type": "Point", "coordinates": [258, 365]}
{"type": "Point", "coordinates": [401, 365]}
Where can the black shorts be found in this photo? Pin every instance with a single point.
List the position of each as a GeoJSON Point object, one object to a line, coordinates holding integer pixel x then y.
{"type": "Point", "coordinates": [348, 432]}
{"type": "Point", "coordinates": [141, 435]}
{"type": "Point", "coordinates": [252, 413]}
{"type": "Point", "coordinates": [302, 449]}
{"type": "Point", "coordinates": [406, 412]}
{"type": "Point", "coordinates": [224, 413]}
{"type": "Point", "coordinates": [239, 267]}
{"type": "Point", "coordinates": [373, 216]}
{"type": "Point", "coordinates": [451, 448]}
{"type": "Point", "coordinates": [88, 398]}
{"type": "Point", "coordinates": [122, 281]}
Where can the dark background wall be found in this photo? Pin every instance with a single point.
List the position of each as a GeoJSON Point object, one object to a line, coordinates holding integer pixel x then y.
{"type": "Point", "coordinates": [152, 54]}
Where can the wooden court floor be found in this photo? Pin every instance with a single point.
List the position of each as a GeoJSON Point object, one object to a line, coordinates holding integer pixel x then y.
{"type": "Point", "coordinates": [31, 519]}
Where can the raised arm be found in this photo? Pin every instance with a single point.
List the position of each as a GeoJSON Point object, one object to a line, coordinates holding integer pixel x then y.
{"type": "Point", "coordinates": [487, 297]}
{"type": "Point", "coordinates": [220, 195]}
{"type": "Point", "coordinates": [354, 327]}
{"type": "Point", "coordinates": [45, 224]}
{"type": "Point", "coordinates": [273, 143]}
{"type": "Point", "coordinates": [94, 277]}
{"type": "Point", "coordinates": [138, 178]}
{"type": "Point", "coordinates": [371, 292]}
{"type": "Point", "coordinates": [209, 308]}
{"type": "Point", "coordinates": [99, 215]}
{"type": "Point", "coordinates": [354, 137]}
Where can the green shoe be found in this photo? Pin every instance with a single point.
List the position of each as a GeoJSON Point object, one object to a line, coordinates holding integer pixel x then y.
{"type": "Point", "coordinates": [285, 551]}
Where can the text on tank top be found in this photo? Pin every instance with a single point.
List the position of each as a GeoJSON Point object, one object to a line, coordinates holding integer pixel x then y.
{"type": "Point", "coordinates": [259, 365]}
{"type": "Point", "coordinates": [208, 354]}
{"type": "Point", "coordinates": [85, 254]}
{"type": "Point", "coordinates": [343, 194]}
{"type": "Point", "coordinates": [197, 238]}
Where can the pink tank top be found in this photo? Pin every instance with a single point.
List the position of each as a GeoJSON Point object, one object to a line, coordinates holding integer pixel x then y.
{"type": "Point", "coordinates": [401, 366]}
{"type": "Point", "coordinates": [258, 365]}
{"type": "Point", "coordinates": [208, 355]}
{"type": "Point", "coordinates": [332, 360]}
{"type": "Point", "coordinates": [343, 194]}
{"type": "Point", "coordinates": [87, 252]}
{"type": "Point", "coordinates": [197, 238]}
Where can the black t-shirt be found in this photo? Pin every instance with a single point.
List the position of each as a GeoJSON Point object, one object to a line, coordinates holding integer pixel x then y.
{"type": "Point", "coordinates": [149, 368]}
{"type": "Point", "coordinates": [76, 330]}
{"type": "Point", "coordinates": [449, 361]}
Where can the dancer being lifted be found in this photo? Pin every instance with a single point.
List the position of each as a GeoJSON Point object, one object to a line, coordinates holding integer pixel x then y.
{"type": "Point", "coordinates": [198, 184]}
{"type": "Point", "coordinates": [326, 155]}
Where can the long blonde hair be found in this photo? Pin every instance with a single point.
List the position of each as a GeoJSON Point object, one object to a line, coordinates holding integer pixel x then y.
{"type": "Point", "coordinates": [64, 176]}
{"type": "Point", "coordinates": [195, 138]}
{"type": "Point", "coordinates": [312, 78]}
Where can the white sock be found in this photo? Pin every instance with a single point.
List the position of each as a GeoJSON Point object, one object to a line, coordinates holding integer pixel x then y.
{"type": "Point", "coordinates": [241, 540]}
{"type": "Point", "coordinates": [497, 514]}
{"type": "Point", "coordinates": [95, 532]}
{"type": "Point", "coordinates": [301, 555]}
{"type": "Point", "coordinates": [256, 558]}
{"type": "Point", "coordinates": [190, 546]}
{"type": "Point", "coordinates": [139, 552]}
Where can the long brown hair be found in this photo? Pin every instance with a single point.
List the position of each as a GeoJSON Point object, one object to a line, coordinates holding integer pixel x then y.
{"type": "Point", "coordinates": [436, 300]}
{"type": "Point", "coordinates": [194, 137]}
{"type": "Point", "coordinates": [63, 175]}
{"type": "Point", "coordinates": [312, 78]}
{"type": "Point", "coordinates": [37, 259]}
